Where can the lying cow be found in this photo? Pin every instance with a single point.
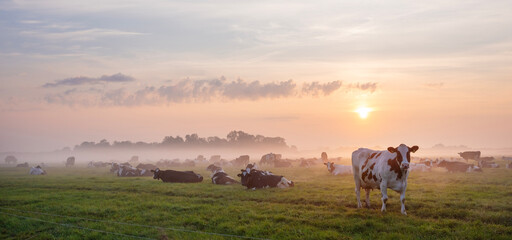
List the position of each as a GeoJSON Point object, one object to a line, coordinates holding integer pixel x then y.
{"type": "Point", "coordinates": [382, 170]}
{"type": "Point", "coordinates": [219, 176]}
{"type": "Point", "coordinates": [338, 169]}
{"type": "Point", "coordinates": [459, 166]}
{"type": "Point", "coordinates": [254, 179]}
{"type": "Point", "coordinates": [22, 164]}
{"type": "Point", "coordinates": [129, 171]}
{"type": "Point", "coordinates": [419, 167]}
{"type": "Point", "coordinates": [116, 166]}
{"type": "Point", "coordinates": [176, 176]}
{"type": "Point", "coordinates": [37, 171]}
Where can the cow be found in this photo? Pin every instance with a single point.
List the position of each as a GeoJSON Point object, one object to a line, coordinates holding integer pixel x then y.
{"type": "Point", "coordinates": [129, 171]}
{"type": "Point", "coordinates": [70, 161]}
{"type": "Point", "coordinates": [219, 176]}
{"type": "Point", "coordinates": [382, 170]}
{"type": "Point", "coordinates": [10, 159]}
{"type": "Point", "coordinates": [487, 164]}
{"type": "Point", "coordinates": [338, 169]}
{"type": "Point", "coordinates": [147, 166]}
{"type": "Point", "coordinates": [240, 161]}
{"type": "Point", "coordinates": [259, 179]}
{"type": "Point", "coordinates": [37, 171]}
{"type": "Point", "coordinates": [22, 164]}
{"type": "Point", "coordinates": [324, 157]}
{"type": "Point", "coordinates": [176, 176]}
{"type": "Point", "coordinates": [214, 158]}
{"type": "Point", "coordinates": [116, 166]}
{"type": "Point", "coordinates": [474, 155]}
{"type": "Point", "coordinates": [458, 166]}
{"type": "Point", "coordinates": [270, 158]}
{"type": "Point", "coordinates": [97, 164]}
{"type": "Point", "coordinates": [506, 158]}
{"type": "Point", "coordinates": [419, 167]}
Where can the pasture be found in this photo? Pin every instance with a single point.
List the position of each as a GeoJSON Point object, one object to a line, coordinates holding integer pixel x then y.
{"type": "Point", "coordinates": [64, 203]}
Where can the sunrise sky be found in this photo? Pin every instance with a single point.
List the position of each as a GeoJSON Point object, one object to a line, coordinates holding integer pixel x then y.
{"type": "Point", "coordinates": [427, 72]}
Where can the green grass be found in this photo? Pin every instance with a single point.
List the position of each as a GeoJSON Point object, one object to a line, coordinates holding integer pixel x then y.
{"type": "Point", "coordinates": [320, 206]}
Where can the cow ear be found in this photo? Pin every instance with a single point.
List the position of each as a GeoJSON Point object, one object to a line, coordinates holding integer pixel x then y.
{"type": "Point", "coordinates": [414, 149]}
{"type": "Point", "coordinates": [391, 149]}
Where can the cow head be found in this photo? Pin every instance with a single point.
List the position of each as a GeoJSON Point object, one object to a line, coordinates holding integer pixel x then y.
{"type": "Point", "coordinates": [403, 155]}
{"type": "Point", "coordinates": [330, 166]}
{"type": "Point", "coordinates": [156, 173]}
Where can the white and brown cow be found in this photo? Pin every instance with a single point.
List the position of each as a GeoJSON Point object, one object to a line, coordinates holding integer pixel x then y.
{"type": "Point", "coordinates": [338, 169]}
{"type": "Point", "coordinates": [382, 170]}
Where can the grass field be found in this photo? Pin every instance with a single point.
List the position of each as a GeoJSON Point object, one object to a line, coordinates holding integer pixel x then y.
{"type": "Point", "coordinates": [320, 206]}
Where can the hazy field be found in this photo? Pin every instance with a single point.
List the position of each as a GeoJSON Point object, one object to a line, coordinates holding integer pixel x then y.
{"type": "Point", "coordinates": [320, 206]}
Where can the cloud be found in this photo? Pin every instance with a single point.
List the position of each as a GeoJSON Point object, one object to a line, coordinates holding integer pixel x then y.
{"type": "Point", "coordinates": [119, 77]}
{"type": "Point", "coordinates": [369, 86]}
{"type": "Point", "coordinates": [79, 35]}
{"type": "Point", "coordinates": [186, 91]}
{"type": "Point", "coordinates": [316, 88]}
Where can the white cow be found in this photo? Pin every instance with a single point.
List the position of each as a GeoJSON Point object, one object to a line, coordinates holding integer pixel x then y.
{"type": "Point", "coordinates": [382, 170]}
{"type": "Point", "coordinates": [337, 169]}
{"type": "Point", "coordinates": [37, 171]}
{"type": "Point", "coordinates": [419, 167]}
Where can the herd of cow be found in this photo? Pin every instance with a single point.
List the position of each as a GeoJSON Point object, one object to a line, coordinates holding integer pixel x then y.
{"type": "Point", "coordinates": [372, 169]}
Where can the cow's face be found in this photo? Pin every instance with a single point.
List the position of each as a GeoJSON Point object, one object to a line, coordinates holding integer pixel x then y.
{"type": "Point", "coordinates": [156, 173]}
{"type": "Point", "coordinates": [403, 155]}
{"type": "Point", "coordinates": [330, 166]}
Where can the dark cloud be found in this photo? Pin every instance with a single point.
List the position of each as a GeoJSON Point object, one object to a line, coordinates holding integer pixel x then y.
{"type": "Point", "coordinates": [119, 77]}
{"type": "Point", "coordinates": [369, 86]}
{"type": "Point", "coordinates": [316, 88]}
{"type": "Point", "coordinates": [201, 91]}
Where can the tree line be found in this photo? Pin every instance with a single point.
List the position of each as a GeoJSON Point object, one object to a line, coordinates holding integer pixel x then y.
{"type": "Point", "coordinates": [234, 139]}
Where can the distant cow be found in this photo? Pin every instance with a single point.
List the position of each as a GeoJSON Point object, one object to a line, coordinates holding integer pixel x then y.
{"type": "Point", "coordinates": [270, 158]}
{"type": "Point", "coordinates": [214, 158]}
{"type": "Point", "coordinates": [308, 162]}
{"type": "Point", "coordinates": [282, 163]}
{"type": "Point", "coordinates": [129, 171]}
{"type": "Point", "coordinates": [259, 179]}
{"type": "Point", "coordinates": [419, 167]}
{"type": "Point", "coordinates": [116, 166]}
{"type": "Point", "coordinates": [10, 159]}
{"type": "Point", "coordinates": [219, 176]}
{"type": "Point", "coordinates": [488, 164]}
{"type": "Point", "coordinates": [176, 176]}
{"type": "Point", "coordinates": [338, 169]}
{"type": "Point", "coordinates": [97, 164]}
{"type": "Point", "coordinates": [70, 161]}
{"type": "Point", "coordinates": [507, 158]}
{"type": "Point", "coordinates": [22, 164]}
{"type": "Point", "coordinates": [485, 159]}
{"type": "Point", "coordinates": [382, 170]}
{"type": "Point", "coordinates": [474, 155]}
{"type": "Point", "coordinates": [148, 166]}
{"type": "Point", "coordinates": [458, 166]}
{"type": "Point", "coordinates": [240, 161]}
{"type": "Point", "coordinates": [324, 157]}
{"type": "Point", "coordinates": [37, 171]}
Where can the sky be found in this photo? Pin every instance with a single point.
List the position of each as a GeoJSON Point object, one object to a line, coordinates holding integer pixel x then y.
{"type": "Point", "coordinates": [430, 72]}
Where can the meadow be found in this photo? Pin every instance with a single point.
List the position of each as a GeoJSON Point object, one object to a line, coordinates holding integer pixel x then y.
{"type": "Point", "coordinates": [86, 203]}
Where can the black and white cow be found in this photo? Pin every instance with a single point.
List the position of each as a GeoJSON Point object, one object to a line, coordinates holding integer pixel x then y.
{"type": "Point", "coordinates": [382, 170]}
{"type": "Point", "coordinates": [254, 179]}
{"type": "Point", "coordinates": [176, 176]}
{"type": "Point", "coordinates": [37, 171]}
{"type": "Point", "coordinates": [219, 176]}
{"type": "Point", "coordinates": [338, 169]}
{"type": "Point", "coordinates": [129, 171]}
{"type": "Point", "coordinates": [22, 164]}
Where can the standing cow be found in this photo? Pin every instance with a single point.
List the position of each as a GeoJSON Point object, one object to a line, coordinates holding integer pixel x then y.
{"type": "Point", "coordinates": [474, 155]}
{"type": "Point", "coordinates": [382, 170]}
{"type": "Point", "coordinates": [70, 161]}
{"type": "Point", "coordinates": [10, 159]}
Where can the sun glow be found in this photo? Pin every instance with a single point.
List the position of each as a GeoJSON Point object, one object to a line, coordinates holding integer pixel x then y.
{"type": "Point", "coordinates": [363, 112]}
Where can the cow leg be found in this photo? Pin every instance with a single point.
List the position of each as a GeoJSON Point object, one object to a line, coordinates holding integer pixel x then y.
{"type": "Point", "coordinates": [402, 201]}
{"type": "Point", "coordinates": [367, 198]}
{"type": "Point", "coordinates": [384, 192]}
{"type": "Point", "coordinates": [358, 193]}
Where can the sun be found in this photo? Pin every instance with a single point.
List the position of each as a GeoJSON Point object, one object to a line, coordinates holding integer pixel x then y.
{"type": "Point", "coordinates": [363, 112]}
